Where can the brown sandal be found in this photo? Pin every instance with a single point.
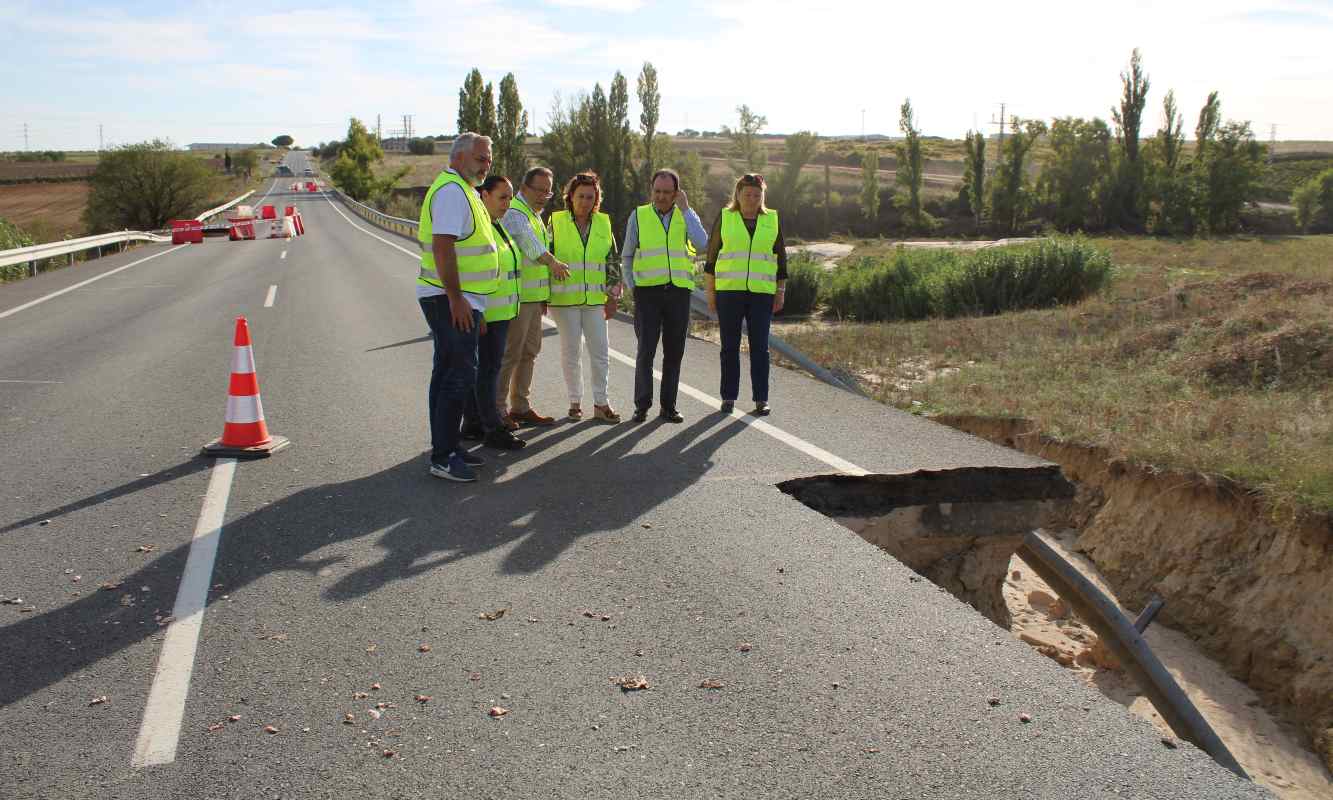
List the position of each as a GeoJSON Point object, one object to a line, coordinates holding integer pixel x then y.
{"type": "Point", "coordinates": [605, 414]}
{"type": "Point", "coordinates": [575, 412]}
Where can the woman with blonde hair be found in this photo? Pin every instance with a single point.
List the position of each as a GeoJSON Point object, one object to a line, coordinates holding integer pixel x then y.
{"type": "Point", "coordinates": [746, 276]}
{"type": "Point", "coordinates": [581, 303]}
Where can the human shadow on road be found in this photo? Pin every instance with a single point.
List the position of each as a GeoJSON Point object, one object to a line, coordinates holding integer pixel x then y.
{"type": "Point", "coordinates": [598, 485]}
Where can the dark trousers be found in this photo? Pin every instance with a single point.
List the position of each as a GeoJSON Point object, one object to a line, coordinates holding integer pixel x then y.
{"type": "Point", "coordinates": [659, 312]}
{"type": "Point", "coordinates": [756, 310]}
{"type": "Point", "coordinates": [453, 376]}
{"type": "Point", "coordinates": [481, 408]}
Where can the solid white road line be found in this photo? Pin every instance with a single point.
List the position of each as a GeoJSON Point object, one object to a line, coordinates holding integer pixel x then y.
{"type": "Point", "coordinates": [796, 442]}
{"type": "Point", "coordinates": [272, 294]}
{"type": "Point", "coordinates": [160, 730]}
{"type": "Point", "coordinates": [18, 381]}
{"type": "Point", "coordinates": [81, 284]}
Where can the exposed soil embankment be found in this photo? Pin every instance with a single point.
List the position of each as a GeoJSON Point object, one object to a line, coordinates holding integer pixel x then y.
{"type": "Point", "coordinates": [1253, 591]}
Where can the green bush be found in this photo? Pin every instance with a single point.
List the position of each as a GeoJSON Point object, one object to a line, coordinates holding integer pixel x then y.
{"type": "Point", "coordinates": [916, 284]}
{"type": "Point", "coordinates": [13, 237]}
{"type": "Point", "coordinates": [803, 275]}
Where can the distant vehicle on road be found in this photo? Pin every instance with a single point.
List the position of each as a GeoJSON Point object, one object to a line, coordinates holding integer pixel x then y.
{"type": "Point", "coordinates": [284, 171]}
{"type": "Point", "coordinates": [309, 171]}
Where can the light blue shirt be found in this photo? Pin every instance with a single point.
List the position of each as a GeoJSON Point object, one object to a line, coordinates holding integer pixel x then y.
{"type": "Point", "coordinates": [694, 229]}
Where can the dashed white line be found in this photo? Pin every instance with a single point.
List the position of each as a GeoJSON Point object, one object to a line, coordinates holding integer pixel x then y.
{"type": "Point", "coordinates": [18, 381]}
{"type": "Point", "coordinates": [272, 295]}
{"type": "Point", "coordinates": [796, 442]}
{"type": "Point", "coordinates": [159, 733]}
{"type": "Point", "coordinates": [93, 279]}
{"type": "Point", "coordinates": [284, 254]}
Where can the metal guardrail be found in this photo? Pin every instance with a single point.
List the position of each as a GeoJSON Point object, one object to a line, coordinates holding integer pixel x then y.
{"type": "Point", "coordinates": [398, 225]}
{"type": "Point", "coordinates": [40, 252]}
{"type": "Point", "coordinates": [1125, 640]}
{"type": "Point", "coordinates": [698, 301]}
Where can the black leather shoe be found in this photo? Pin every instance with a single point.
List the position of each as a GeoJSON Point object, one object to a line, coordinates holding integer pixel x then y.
{"type": "Point", "coordinates": [762, 410]}
{"type": "Point", "coordinates": [728, 406]}
{"type": "Point", "coordinates": [671, 415]}
{"type": "Point", "coordinates": [473, 432]}
{"type": "Point", "coordinates": [640, 415]}
{"type": "Point", "coordinates": [502, 439]}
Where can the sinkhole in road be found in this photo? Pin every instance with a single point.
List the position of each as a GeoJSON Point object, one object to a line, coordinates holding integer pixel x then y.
{"type": "Point", "coordinates": [957, 527]}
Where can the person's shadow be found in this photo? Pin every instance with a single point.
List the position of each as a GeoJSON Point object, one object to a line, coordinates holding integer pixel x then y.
{"type": "Point", "coordinates": [427, 527]}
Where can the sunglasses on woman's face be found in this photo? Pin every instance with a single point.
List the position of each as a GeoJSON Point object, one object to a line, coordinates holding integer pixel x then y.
{"type": "Point", "coordinates": [752, 179]}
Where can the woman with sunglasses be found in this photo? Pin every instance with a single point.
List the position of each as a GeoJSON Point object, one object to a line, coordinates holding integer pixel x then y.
{"type": "Point", "coordinates": [746, 276]}
{"type": "Point", "coordinates": [581, 303]}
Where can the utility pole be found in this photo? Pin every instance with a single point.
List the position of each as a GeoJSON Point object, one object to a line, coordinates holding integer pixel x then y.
{"type": "Point", "coordinates": [863, 126]}
{"type": "Point", "coordinates": [1272, 143]}
{"type": "Point", "coordinates": [25, 136]}
{"type": "Point", "coordinates": [1000, 153]}
{"type": "Point", "coordinates": [99, 137]}
{"type": "Point", "coordinates": [377, 128]}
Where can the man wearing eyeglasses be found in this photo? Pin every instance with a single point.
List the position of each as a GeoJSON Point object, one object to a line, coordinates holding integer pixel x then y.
{"type": "Point", "coordinates": [661, 238]}
{"type": "Point", "coordinates": [523, 221]}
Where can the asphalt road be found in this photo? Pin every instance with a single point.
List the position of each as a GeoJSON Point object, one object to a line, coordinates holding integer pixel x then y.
{"type": "Point", "coordinates": [343, 566]}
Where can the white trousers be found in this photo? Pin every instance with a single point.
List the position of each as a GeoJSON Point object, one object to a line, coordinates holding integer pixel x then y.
{"type": "Point", "coordinates": [577, 324]}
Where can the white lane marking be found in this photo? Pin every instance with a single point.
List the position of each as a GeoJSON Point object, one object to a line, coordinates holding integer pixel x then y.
{"type": "Point", "coordinates": [796, 442]}
{"type": "Point", "coordinates": [81, 284]}
{"type": "Point", "coordinates": [160, 730]}
{"type": "Point", "coordinates": [284, 254]}
{"type": "Point", "coordinates": [793, 441]}
{"type": "Point", "coordinates": [18, 381]}
{"type": "Point", "coordinates": [272, 293]}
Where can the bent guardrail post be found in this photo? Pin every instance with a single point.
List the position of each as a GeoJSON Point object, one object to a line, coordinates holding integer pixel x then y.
{"type": "Point", "coordinates": [1128, 645]}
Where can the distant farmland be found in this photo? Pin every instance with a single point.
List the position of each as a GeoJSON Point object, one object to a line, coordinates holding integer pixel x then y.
{"type": "Point", "coordinates": [47, 211]}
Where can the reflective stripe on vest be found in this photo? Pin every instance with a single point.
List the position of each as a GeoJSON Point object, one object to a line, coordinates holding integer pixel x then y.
{"type": "Point", "coordinates": [747, 263]}
{"type": "Point", "coordinates": [503, 304]}
{"type": "Point", "coordinates": [478, 256]}
{"type": "Point", "coordinates": [535, 276]}
{"type": "Point", "coordinates": [586, 285]}
{"type": "Point", "coordinates": [664, 253]}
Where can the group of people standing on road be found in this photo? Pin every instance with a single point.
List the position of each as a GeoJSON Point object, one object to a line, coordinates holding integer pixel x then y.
{"type": "Point", "coordinates": [491, 268]}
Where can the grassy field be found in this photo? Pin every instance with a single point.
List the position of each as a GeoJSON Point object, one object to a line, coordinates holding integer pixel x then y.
{"type": "Point", "coordinates": [1213, 356]}
{"type": "Point", "coordinates": [46, 211]}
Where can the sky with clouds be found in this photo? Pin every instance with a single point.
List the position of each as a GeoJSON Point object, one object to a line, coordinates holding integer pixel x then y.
{"type": "Point", "coordinates": [217, 71]}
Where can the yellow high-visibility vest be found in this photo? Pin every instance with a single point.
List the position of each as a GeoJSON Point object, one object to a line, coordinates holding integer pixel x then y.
{"type": "Point", "coordinates": [664, 253]}
{"type": "Point", "coordinates": [478, 263]}
{"type": "Point", "coordinates": [747, 263]}
{"type": "Point", "coordinates": [586, 284]}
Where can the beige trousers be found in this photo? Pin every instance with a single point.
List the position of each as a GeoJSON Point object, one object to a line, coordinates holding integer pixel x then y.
{"type": "Point", "coordinates": [521, 349]}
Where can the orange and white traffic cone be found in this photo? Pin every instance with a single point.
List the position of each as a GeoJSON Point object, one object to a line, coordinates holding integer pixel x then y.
{"type": "Point", "coordinates": [244, 432]}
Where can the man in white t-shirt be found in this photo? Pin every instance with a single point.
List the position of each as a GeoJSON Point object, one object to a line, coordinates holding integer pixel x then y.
{"type": "Point", "coordinates": [455, 316]}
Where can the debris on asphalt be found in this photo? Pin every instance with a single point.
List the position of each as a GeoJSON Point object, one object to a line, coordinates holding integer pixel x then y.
{"type": "Point", "coordinates": [384, 706]}
{"type": "Point", "coordinates": [349, 718]}
{"type": "Point", "coordinates": [623, 748]}
{"type": "Point", "coordinates": [145, 548]}
{"type": "Point", "coordinates": [498, 711]}
{"type": "Point", "coordinates": [423, 698]}
{"type": "Point", "coordinates": [373, 712]}
{"type": "Point", "coordinates": [491, 616]}
{"type": "Point", "coordinates": [390, 753]}
{"type": "Point", "coordinates": [69, 572]}
{"type": "Point", "coordinates": [270, 729]}
{"type": "Point", "coordinates": [631, 683]}
{"type": "Point", "coordinates": [647, 525]}
{"type": "Point", "coordinates": [45, 522]}
{"type": "Point", "coordinates": [423, 648]}
{"type": "Point", "coordinates": [11, 601]}
{"type": "Point", "coordinates": [216, 726]}
{"type": "Point", "coordinates": [234, 718]}
{"type": "Point", "coordinates": [99, 700]}
{"type": "Point", "coordinates": [109, 586]}
{"type": "Point", "coordinates": [371, 648]}
{"type": "Point", "coordinates": [1171, 744]}
{"type": "Point", "coordinates": [375, 687]}
{"type": "Point", "coordinates": [709, 683]}
{"type": "Point", "coordinates": [744, 647]}
{"type": "Point", "coordinates": [594, 615]}
{"type": "Point", "coordinates": [76, 578]}
{"type": "Point", "coordinates": [360, 695]}
{"type": "Point", "coordinates": [995, 701]}
{"type": "Point", "coordinates": [1025, 717]}
{"type": "Point", "coordinates": [870, 750]}
{"type": "Point", "coordinates": [474, 676]}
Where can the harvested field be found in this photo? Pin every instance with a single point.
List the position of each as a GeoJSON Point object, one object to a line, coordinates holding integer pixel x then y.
{"type": "Point", "coordinates": [12, 171]}
{"type": "Point", "coordinates": [47, 211]}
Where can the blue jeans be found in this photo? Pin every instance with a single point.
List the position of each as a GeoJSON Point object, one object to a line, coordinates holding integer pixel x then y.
{"type": "Point", "coordinates": [756, 310]}
{"type": "Point", "coordinates": [453, 376]}
{"type": "Point", "coordinates": [481, 408]}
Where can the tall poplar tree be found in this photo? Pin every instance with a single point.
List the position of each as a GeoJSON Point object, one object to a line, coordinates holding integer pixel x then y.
{"type": "Point", "coordinates": [512, 130]}
{"type": "Point", "coordinates": [469, 103]}
{"type": "Point", "coordinates": [650, 108]}
{"type": "Point", "coordinates": [911, 170]}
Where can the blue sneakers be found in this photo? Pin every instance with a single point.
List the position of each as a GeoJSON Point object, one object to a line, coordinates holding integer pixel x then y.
{"type": "Point", "coordinates": [456, 470]}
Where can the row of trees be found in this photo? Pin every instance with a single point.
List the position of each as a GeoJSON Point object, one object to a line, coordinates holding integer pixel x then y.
{"type": "Point", "coordinates": [1099, 178]}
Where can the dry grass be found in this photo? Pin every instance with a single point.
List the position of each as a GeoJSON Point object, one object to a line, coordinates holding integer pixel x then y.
{"type": "Point", "coordinates": [1211, 356]}
{"type": "Point", "coordinates": [46, 211]}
